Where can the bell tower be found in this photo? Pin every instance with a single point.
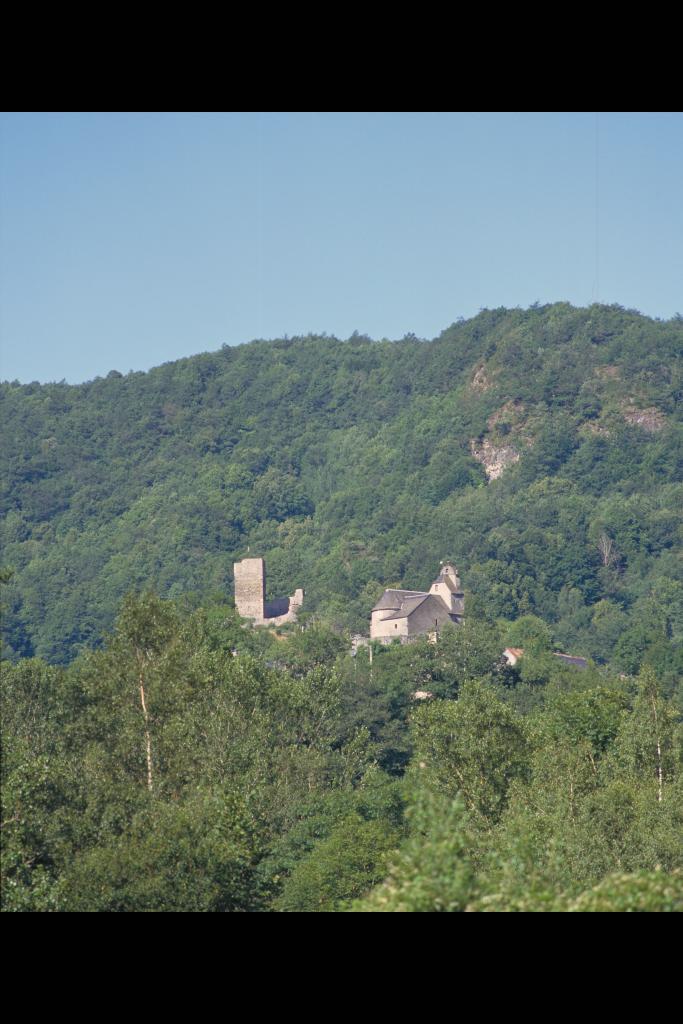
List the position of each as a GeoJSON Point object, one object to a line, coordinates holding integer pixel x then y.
{"type": "Point", "coordinates": [448, 569]}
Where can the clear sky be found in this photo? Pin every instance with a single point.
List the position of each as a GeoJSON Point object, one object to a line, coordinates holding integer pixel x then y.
{"type": "Point", "coordinates": [127, 240]}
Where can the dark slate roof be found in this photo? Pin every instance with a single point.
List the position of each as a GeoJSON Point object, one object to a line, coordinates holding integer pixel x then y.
{"type": "Point", "coordinates": [408, 605]}
{"type": "Point", "coordinates": [411, 603]}
{"type": "Point", "coordinates": [395, 598]}
{"type": "Point", "coordinates": [572, 659]}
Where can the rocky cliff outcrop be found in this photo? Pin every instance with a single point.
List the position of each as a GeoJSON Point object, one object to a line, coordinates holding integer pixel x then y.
{"type": "Point", "coordinates": [494, 458]}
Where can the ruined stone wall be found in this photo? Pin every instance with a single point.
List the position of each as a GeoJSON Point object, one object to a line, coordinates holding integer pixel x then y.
{"type": "Point", "coordinates": [250, 596]}
{"type": "Point", "coordinates": [250, 588]}
{"type": "Point", "coordinates": [284, 610]}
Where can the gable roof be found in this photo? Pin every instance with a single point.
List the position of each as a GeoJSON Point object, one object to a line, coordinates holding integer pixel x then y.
{"type": "Point", "coordinates": [412, 603]}
{"type": "Point", "coordinates": [395, 598]}
{"type": "Point", "coordinates": [408, 606]}
{"type": "Point", "coordinates": [572, 659]}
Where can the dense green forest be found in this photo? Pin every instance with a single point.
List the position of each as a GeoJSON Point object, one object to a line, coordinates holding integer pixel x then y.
{"type": "Point", "coordinates": [158, 754]}
{"type": "Point", "coordinates": [351, 466]}
{"type": "Point", "coordinates": [164, 772]}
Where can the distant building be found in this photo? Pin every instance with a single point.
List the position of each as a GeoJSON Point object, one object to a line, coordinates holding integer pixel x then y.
{"type": "Point", "coordinates": [513, 654]}
{"type": "Point", "coordinates": [404, 614]}
{"type": "Point", "coordinates": [250, 596]}
{"type": "Point", "coordinates": [571, 659]}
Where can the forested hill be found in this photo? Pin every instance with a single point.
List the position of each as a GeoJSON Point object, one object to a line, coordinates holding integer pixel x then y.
{"type": "Point", "coordinates": [540, 449]}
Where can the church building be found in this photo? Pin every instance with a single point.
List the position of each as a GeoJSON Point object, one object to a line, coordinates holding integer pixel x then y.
{"type": "Point", "coordinates": [402, 614]}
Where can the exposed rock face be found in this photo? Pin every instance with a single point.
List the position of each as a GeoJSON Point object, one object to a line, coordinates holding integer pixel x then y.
{"type": "Point", "coordinates": [494, 458]}
{"type": "Point", "coordinates": [480, 380]}
{"type": "Point", "coordinates": [650, 419]}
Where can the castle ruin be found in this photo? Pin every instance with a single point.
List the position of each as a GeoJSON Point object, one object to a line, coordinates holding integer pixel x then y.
{"type": "Point", "coordinates": [250, 596]}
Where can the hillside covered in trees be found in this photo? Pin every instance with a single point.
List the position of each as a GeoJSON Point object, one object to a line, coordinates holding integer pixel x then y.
{"type": "Point", "coordinates": [540, 449]}
{"type": "Point", "coordinates": [159, 754]}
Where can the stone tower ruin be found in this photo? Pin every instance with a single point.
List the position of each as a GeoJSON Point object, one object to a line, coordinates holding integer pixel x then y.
{"type": "Point", "coordinates": [250, 588]}
{"type": "Point", "coordinates": [250, 596]}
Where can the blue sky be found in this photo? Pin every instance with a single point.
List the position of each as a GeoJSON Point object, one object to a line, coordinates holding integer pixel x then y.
{"type": "Point", "coordinates": [129, 240]}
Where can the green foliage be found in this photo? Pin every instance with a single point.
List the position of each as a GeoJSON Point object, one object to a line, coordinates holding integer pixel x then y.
{"type": "Point", "coordinates": [475, 747]}
{"type": "Point", "coordinates": [432, 872]}
{"type": "Point", "coordinates": [649, 745]}
{"type": "Point", "coordinates": [182, 762]}
{"type": "Point", "coordinates": [306, 649]}
{"type": "Point", "coordinates": [267, 791]}
{"type": "Point", "coordinates": [349, 466]}
{"type": "Point", "coordinates": [644, 892]}
{"type": "Point", "coordinates": [531, 634]}
{"type": "Point", "coordinates": [234, 748]}
{"type": "Point", "coordinates": [337, 849]}
{"type": "Point", "coordinates": [592, 716]}
{"type": "Point", "coordinates": [340, 868]}
{"type": "Point", "coordinates": [195, 857]}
